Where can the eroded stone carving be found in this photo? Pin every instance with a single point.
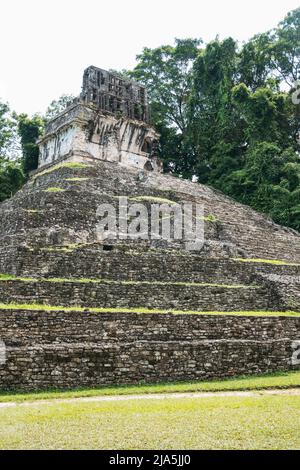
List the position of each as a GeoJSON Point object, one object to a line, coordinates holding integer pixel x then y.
{"type": "Point", "coordinates": [110, 121]}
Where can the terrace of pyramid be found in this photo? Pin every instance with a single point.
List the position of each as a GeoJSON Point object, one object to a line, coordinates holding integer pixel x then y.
{"type": "Point", "coordinates": [78, 310]}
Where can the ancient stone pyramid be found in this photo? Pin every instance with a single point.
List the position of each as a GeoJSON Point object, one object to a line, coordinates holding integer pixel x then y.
{"type": "Point", "coordinates": [49, 249]}
{"type": "Point", "coordinates": [79, 311]}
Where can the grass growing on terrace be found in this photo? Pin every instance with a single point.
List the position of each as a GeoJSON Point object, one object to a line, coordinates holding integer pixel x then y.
{"type": "Point", "coordinates": [143, 310]}
{"type": "Point", "coordinates": [66, 248]}
{"type": "Point", "coordinates": [74, 165]}
{"type": "Point", "coordinates": [9, 277]}
{"type": "Point", "coordinates": [58, 249]}
{"type": "Point", "coordinates": [54, 190]}
{"type": "Point", "coordinates": [76, 179]}
{"type": "Point", "coordinates": [277, 380]}
{"type": "Point", "coordinates": [266, 261]}
{"type": "Point", "coordinates": [160, 200]}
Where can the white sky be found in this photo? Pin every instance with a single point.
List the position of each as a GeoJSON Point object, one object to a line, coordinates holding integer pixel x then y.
{"type": "Point", "coordinates": [46, 44]}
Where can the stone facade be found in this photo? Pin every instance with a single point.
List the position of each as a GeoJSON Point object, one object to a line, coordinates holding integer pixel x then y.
{"type": "Point", "coordinates": [57, 349]}
{"type": "Point", "coordinates": [115, 94]}
{"type": "Point", "coordinates": [136, 294]}
{"type": "Point", "coordinates": [108, 121]}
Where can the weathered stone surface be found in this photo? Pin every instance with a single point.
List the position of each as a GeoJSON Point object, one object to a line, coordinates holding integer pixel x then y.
{"type": "Point", "coordinates": [109, 121]}
{"type": "Point", "coordinates": [160, 296]}
{"type": "Point", "coordinates": [57, 349]}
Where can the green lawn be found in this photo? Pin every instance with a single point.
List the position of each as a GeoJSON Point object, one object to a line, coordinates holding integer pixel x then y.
{"type": "Point", "coordinates": [262, 422]}
{"type": "Point", "coordinates": [257, 382]}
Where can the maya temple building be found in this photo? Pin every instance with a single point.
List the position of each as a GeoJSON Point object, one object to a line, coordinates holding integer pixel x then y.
{"type": "Point", "coordinates": [110, 120]}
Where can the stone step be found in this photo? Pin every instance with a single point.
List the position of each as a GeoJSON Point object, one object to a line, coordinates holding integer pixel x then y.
{"type": "Point", "coordinates": [28, 327]}
{"type": "Point", "coordinates": [122, 262]}
{"type": "Point", "coordinates": [149, 295]}
{"type": "Point", "coordinates": [71, 349]}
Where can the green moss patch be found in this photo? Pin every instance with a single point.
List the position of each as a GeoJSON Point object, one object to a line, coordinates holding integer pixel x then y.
{"type": "Point", "coordinates": [66, 248]}
{"type": "Point", "coordinates": [210, 218]}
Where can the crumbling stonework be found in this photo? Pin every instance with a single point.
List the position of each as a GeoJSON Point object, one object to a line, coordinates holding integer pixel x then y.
{"type": "Point", "coordinates": [115, 94]}
{"type": "Point", "coordinates": [108, 121]}
{"type": "Point", "coordinates": [57, 349]}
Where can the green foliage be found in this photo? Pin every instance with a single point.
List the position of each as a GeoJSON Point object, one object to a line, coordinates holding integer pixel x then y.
{"type": "Point", "coordinates": [285, 48]}
{"type": "Point", "coordinates": [58, 106]}
{"type": "Point", "coordinates": [30, 129]}
{"type": "Point", "coordinates": [11, 178]}
{"type": "Point", "coordinates": [167, 74]}
{"type": "Point", "coordinates": [226, 116]}
{"type": "Point", "coordinates": [6, 129]}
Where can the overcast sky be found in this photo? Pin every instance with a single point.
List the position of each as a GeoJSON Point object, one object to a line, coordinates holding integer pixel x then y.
{"type": "Point", "coordinates": [46, 44]}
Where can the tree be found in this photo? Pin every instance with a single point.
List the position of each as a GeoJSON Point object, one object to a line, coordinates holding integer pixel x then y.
{"type": "Point", "coordinates": [30, 129]}
{"type": "Point", "coordinates": [11, 178]}
{"type": "Point", "coordinates": [225, 116]}
{"type": "Point", "coordinates": [255, 61]}
{"type": "Point", "coordinates": [57, 106]}
{"type": "Point", "coordinates": [167, 74]}
{"type": "Point", "coordinates": [286, 48]}
{"type": "Point", "coordinates": [8, 133]}
{"type": "Point", "coordinates": [216, 125]}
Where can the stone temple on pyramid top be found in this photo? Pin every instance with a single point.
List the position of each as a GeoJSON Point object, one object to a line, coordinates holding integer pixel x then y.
{"type": "Point", "coordinates": [110, 120]}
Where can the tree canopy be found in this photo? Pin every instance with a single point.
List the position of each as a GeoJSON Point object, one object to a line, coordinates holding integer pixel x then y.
{"type": "Point", "coordinates": [228, 115]}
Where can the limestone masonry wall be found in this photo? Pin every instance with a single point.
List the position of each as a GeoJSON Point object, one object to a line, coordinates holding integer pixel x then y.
{"type": "Point", "coordinates": [58, 349]}
{"type": "Point", "coordinates": [115, 295]}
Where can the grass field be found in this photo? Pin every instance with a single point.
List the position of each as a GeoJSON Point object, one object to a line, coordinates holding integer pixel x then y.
{"type": "Point", "coordinates": [261, 422]}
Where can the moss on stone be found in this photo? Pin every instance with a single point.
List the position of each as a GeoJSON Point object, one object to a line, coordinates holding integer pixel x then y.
{"type": "Point", "coordinates": [210, 218]}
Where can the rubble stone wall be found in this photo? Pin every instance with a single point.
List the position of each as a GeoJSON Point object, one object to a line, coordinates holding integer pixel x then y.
{"type": "Point", "coordinates": [58, 349]}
